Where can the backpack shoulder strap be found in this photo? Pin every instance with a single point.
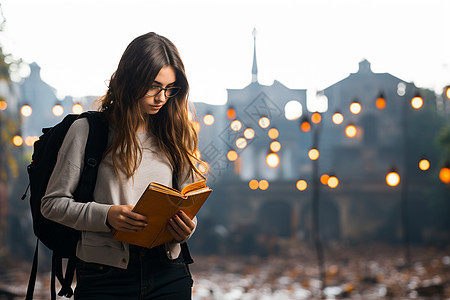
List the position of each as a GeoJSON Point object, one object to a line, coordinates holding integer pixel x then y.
{"type": "Point", "coordinates": [95, 147]}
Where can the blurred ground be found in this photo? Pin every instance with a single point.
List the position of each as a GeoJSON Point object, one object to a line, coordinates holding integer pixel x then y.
{"type": "Point", "coordinates": [373, 271]}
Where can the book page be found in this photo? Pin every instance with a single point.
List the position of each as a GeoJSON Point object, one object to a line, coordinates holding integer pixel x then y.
{"type": "Point", "coordinates": [195, 192]}
{"type": "Point", "coordinates": [193, 186]}
{"type": "Point", "coordinates": [164, 189]}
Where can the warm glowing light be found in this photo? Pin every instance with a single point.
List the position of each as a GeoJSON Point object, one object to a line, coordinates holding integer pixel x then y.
{"type": "Point", "coordinates": [351, 131]}
{"type": "Point", "coordinates": [253, 184]}
{"type": "Point", "coordinates": [26, 111]}
{"type": "Point", "coordinates": [264, 122]}
{"type": "Point", "coordinates": [316, 118]}
{"type": "Point", "coordinates": [231, 113]}
{"type": "Point", "coordinates": [305, 126]}
{"type": "Point", "coordinates": [424, 164]}
{"type": "Point", "coordinates": [447, 92]}
{"type": "Point", "coordinates": [392, 178]}
{"type": "Point", "coordinates": [249, 133]}
{"type": "Point", "coordinates": [77, 109]}
{"type": "Point", "coordinates": [232, 155]}
{"type": "Point", "coordinates": [417, 102]}
{"type": "Point", "coordinates": [380, 103]}
{"type": "Point", "coordinates": [273, 133]}
{"type": "Point", "coordinates": [355, 107]}
{"type": "Point", "coordinates": [272, 160]}
{"type": "Point", "coordinates": [337, 118]}
{"type": "Point", "coordinates": [57, 110]}
{"type": "Point", "coordinates": [313, 154]}
{"type": "Point", "coordinates": [324, 178]}
{"type": "Point", "coordinates": [263, 184]}
{"type": "Point", "coordinates": [208, 119]}
{"type": "Point", "coordinates": [444, 173]}
{"type": "Point", "coordinates": [29, 140]}
{"type": "Point", "coordinates": [333, 182]}
{"type": "Point", "coordinates": [236, 125]}
{"type": "Point", "coordinates": [301, 185]}
{"type": "Point", "coordinates": [241, 143]}
{"type": "Point", "coordinates": [275, 146]}
{"type": "Point", "coordinates": [17, 140]}
{"type": "Point", "coordinates": [3, 105]}
{"type": "Point", "coordinates": [197, 126]}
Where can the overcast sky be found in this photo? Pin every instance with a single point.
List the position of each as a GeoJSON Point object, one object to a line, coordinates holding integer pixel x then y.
{"type": "Point", "coordinates": [303, 44]}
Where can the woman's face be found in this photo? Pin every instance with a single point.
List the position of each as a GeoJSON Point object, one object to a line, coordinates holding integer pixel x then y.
{"type": "Point", "coordinates": [165, 79]}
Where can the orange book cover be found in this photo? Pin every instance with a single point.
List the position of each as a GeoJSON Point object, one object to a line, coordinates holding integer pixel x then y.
{"type": "Point", "coordinates": [159, 203]}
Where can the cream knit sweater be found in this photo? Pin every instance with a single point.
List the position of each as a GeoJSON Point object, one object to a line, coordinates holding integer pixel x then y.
{"type": "Point", "coordinates": [97, 243]}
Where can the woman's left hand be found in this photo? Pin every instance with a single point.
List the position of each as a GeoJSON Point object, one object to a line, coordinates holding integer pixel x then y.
{"type": "Point", "coordinates": [181, 226]}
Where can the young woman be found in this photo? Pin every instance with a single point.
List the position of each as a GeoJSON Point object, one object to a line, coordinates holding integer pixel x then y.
{"type": "Point", "coordinates": [150, 137]}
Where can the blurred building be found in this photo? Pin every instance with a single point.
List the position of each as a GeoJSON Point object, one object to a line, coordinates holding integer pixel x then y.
{"type": "Point", "coordinates": [257, 200]}
{"type": "Point", "coordinates": [45, 109]}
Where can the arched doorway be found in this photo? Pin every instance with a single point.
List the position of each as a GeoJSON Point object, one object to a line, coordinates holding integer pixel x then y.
{"type": "Point", "coordinates": [329, 221]}
{"type": "Point", "coordinates": [274, 218]}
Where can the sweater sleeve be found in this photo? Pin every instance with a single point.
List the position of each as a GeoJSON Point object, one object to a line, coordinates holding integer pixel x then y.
{"type": "Point", "coordinates": [58, 203]}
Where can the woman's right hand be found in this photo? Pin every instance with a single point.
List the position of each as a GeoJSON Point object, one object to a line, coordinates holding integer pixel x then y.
{"type": "Point", "coordinates": [121, 217]}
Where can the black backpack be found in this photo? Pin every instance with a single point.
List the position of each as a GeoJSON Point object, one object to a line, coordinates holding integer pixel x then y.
{"type": "Point", "coordinates": [62, 240]}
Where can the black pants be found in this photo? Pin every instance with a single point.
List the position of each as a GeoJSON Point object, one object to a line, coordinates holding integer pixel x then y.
{"type": "Point", "coordinates": [150, 275]}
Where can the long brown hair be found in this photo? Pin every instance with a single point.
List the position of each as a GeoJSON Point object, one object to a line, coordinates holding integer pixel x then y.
{"type": "Point", "coordinates": [176, 137]}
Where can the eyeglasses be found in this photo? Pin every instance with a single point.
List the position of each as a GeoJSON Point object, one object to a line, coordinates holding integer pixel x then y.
{"type": "Point", "coordinates": [169, 92]}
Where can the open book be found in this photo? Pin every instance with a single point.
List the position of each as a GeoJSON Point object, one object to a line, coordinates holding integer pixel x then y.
{"type": "Point", "coordinates": [159, 203]}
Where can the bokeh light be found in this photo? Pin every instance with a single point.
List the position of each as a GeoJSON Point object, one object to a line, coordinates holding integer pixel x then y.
{"type": "Point", "coordinates": [380, 103]}
{"type": "Point", "coordinates": [253, 184]}
{"type": "Point", "coordinates": [324, 179]}
{"type": "Point", "coordinates": [273, 133]}
{"type": "Point", "coordinates": [264, 122]}
{"type": "Point", "coordinates": [232, 155]}
{"type": "Point", "coordinates": [77, 109]}
{"type": "Point", "coordinates": [275, 146]}
{"type": "Point", "coordinates": [424, 164]}
{"type": "Point", "coordinates": [333, 182]}
{"type": "Point", "coordinates": [3, 105]}
{"type": "Point", "coordinates": [249, 133]}
{"type": "Point", "coordinates": [301, 185]}
{"type": "Point", "coordinates": [444, 173]}
{"type": "Point", "coordinates": [231, 113]}
{"type": "Point", "coordinates": [337, 118]}
{"type": "Point", "coordinates": [236, 125]}
{"type": "Point", "coordinates": [57, 110]}
{"type": "Point", "coordinates": [305, 126]}
{"type": "Point", "coordinates": [272, 160]}
{"type": "Point", "coordinates": [393, 178]}
{"type": "Point", "coordinates": [241, 143]}
{"type": "Point", "coordinates": [417, 102]}
{"type": "Point", "coordinates": [30, 140]}
{"type": "Point", "coordinates": [351, 131]}
{"type": "Point", "coordinates": [355, 107]}
{"type": "Point", "coordinates": [313, 154]}
{"type": "Point", "coordinates": [316, 118]}
{"type": "Point", "coordinates": [26, 110]}
{"type": "Point", "coordinates": [17, 140]}
{"type": "Point", "coordinates": [263, 184]}
{"type": "Point", "coordinates": [208, 119]}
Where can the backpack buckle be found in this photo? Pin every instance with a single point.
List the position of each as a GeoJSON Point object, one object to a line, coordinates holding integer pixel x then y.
{"type": "Point", "coordinates": [91, 162]}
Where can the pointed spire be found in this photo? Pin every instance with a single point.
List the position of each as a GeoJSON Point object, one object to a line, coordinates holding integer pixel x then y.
{"type": "Point", "coordinates": [255, 67]}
